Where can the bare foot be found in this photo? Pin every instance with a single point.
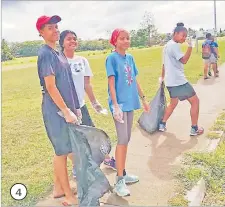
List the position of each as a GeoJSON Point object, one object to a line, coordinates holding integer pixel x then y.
{"type": "Point", "coordinates": [69, 201]}
{"type": "Point", "coordinates": [58, 192]}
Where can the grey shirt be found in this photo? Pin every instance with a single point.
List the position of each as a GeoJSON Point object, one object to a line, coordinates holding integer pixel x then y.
{"type": "Point", "coordinates": [174, 69]}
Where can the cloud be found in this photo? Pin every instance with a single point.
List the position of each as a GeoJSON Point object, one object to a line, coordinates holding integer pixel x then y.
{"type": "Point", "coordinates": [92, 19]}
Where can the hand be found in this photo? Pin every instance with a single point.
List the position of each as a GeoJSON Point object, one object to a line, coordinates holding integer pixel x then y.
{"type": "Point", "coordinates": [69, 116]}
{"type": "Point", "coordinates": [189, 42]}
{"type": "Point", "coordinates": [118, 114]}
{"type": "Point", "coordinates": [98, 108]}
{"type": "Point", "coordinates": [79, 116]}
{"type": "Point", "coordinates": [160, 80]}
{"type": "Point", "coordinates": [146, 106]}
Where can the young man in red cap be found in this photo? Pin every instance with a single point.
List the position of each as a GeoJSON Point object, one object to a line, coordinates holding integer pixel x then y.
{"type": "Point", "coordinates": [59, 95]}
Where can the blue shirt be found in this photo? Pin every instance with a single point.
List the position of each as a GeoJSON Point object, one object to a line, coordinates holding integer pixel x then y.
{"type": "Point", "coordinates": [215, 44]}
{"type": "Point", "coordinates": [124, 70]}
{"type": "Point", "coordinates": [212, 45]}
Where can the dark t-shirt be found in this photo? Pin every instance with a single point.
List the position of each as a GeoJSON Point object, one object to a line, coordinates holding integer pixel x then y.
{"type": "Point", "coordinates": [52, 62]}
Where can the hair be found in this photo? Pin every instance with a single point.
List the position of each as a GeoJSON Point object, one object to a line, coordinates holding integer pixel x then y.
{"type": "Point", "coordinates": [42, 27]}
{"type": "Point", "coordinates": [208, 35]}
{"type": "Point", "coordinates": [180, 28]}
{"type": "Point", "coordinates": [63, 35]}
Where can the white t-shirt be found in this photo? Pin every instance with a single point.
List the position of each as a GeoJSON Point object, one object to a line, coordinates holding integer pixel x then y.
{"type": "Point", "coordinates": [80, 68]}
{"type": "Point", "coordinates": [174, 69]}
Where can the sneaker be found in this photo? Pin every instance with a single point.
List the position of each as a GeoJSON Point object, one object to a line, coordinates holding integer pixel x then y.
{"type": "Point", "coordinates": [74, 173]}
{"type": "Point", "coordinates": [209, 73]}
{"type": "Point", "coordinates": [129, 179]}
{"type": "Point", "coordinates": [111, 163]}
{"type": "Point", "coordinates": [121, 189]}
{"type": "Point", "coordinates": [195, 132]}
{"type": "Point", "coordinates": [162, 127]}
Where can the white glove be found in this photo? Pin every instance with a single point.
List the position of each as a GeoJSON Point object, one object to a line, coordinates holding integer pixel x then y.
{"type": "Point", "coordinates": [189, 42]}
{"type": "Point", "coordinates": [98, 108]}
{"type": "Point", "coordinates": [69, 116]}
{"type": "Point", "coordinates": [118, 114]}
{"type": "Point", "coordinates": [79, 116]}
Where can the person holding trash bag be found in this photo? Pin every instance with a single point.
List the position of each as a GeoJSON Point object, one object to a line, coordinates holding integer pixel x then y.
{"type": "Point", "coordinates": [173, 75]}
{"type": "Point", "coordinates": [61, 113]}
{"type": "Point", "coordinates": [81, 73]}
{"type": "Point", "coordinates": [150, 121]}
{"type": "Point", "coordinates": [59, 94]}
{"type": "Point", "coordinates": [123, 90]}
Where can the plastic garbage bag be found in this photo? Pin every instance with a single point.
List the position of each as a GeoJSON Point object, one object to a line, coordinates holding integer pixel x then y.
{"type": "Point", "coordinates": [150, 121]}
{"type": "Point", "coordinates": [89, 146]}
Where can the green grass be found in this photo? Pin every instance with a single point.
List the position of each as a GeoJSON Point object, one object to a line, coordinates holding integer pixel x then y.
{"type": "Point", "coordinates": [26, 151]}
{"type": "Point", "coordinates": [210, 166]}
{"type": "Point", "coordinates": [219, 124]}
{"type": "Point", "coordinates": [22, 60]}
{"type": "Point", "coordinates": [213, 135]}
{"type": "Point", "coordinates": [178, 200]}
{"type": "Point", "coordinates": [217, 128]}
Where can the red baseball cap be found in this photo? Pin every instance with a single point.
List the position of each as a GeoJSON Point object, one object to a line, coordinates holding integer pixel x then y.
{"type": "Point", "coordinates": [47, 20]}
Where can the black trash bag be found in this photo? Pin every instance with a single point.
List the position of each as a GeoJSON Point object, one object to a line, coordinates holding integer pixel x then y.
{"type": "Point", "coordinates": [150, 121]}
{"type": "Point", "coordinates": [89, 146]}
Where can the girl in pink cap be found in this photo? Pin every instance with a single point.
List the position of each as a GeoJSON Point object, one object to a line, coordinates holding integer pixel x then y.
{"type": "Point", "coordinates": [124, 93]}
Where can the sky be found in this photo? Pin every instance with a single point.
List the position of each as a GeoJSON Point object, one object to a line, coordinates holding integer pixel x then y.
{"type": "Point", "coordinates": [92, 19]}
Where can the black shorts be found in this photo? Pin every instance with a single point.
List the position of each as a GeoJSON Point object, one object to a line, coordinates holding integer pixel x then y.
{"type": "Point", "coordinates": [182, 92]}
{"type": "Point", "coordinates": [86, 118]}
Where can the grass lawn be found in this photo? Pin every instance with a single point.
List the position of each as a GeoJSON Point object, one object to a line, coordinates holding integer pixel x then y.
{"type": "Point", "coordinates": [26, 151]}
{"type": "Point", "coordinates": [210, 166]}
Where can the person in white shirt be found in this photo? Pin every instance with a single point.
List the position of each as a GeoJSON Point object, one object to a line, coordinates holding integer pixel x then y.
{"type": "Point", "coordinates": [173, 75]}
{"type": "Point", "coordinates": [81, 73]}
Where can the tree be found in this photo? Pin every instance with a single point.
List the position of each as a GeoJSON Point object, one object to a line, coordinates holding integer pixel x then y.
{"type": "Point", "coordinates": [6, 53]}
{"type": "Point", "coordinates": [148, 25]}
{"type": "Point", "coordinates": [191, 32]}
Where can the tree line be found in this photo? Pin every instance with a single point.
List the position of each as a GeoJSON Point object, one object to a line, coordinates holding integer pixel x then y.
{"type": "Point", "coordinates": [146, 36]}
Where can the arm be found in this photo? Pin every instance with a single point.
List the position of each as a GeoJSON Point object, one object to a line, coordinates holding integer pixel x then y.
{"type": "Point", "coordinates": [54, 93]}
{"type": "Point", "coordinates": [178, 54]}
{"type": "Point", "coordinates": [88, 89]}
{"type": "Point", "coordinates": [216, 51]}
{"type": "Point", "coordinates": [111, 73]}
{"type": "Point", "coordinates": [142, 96]}
{"type": "Point", "coordinates": [187, 56]}
{"type": "Point", "coordinates": [163, 72]}
{"type": "Point", "coordinates": [111, 81]}
{"type": "Point", "coordinates": [46, 69]}
{"type": "Point", "coordinates": [140, 92]}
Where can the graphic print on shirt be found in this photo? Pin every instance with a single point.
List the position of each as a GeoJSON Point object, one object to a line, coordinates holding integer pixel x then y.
{"type": "Point", "coordinates": [128, 72]}
{"type": "Point", "coordinates": [77, 67]}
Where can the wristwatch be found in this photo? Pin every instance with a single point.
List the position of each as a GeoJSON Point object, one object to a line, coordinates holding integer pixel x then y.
{"type": "Point", "coordinates": [142, 98]}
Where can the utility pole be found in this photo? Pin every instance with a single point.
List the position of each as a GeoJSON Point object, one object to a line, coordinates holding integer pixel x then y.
{"type": "Point", "coordinates": [215, 26]}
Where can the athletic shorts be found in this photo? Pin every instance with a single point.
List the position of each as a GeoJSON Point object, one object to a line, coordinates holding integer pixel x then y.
{"type": "Point", "coordinates": [211, 60]}
{"type": "Point", "coordinates": [182, 92]}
